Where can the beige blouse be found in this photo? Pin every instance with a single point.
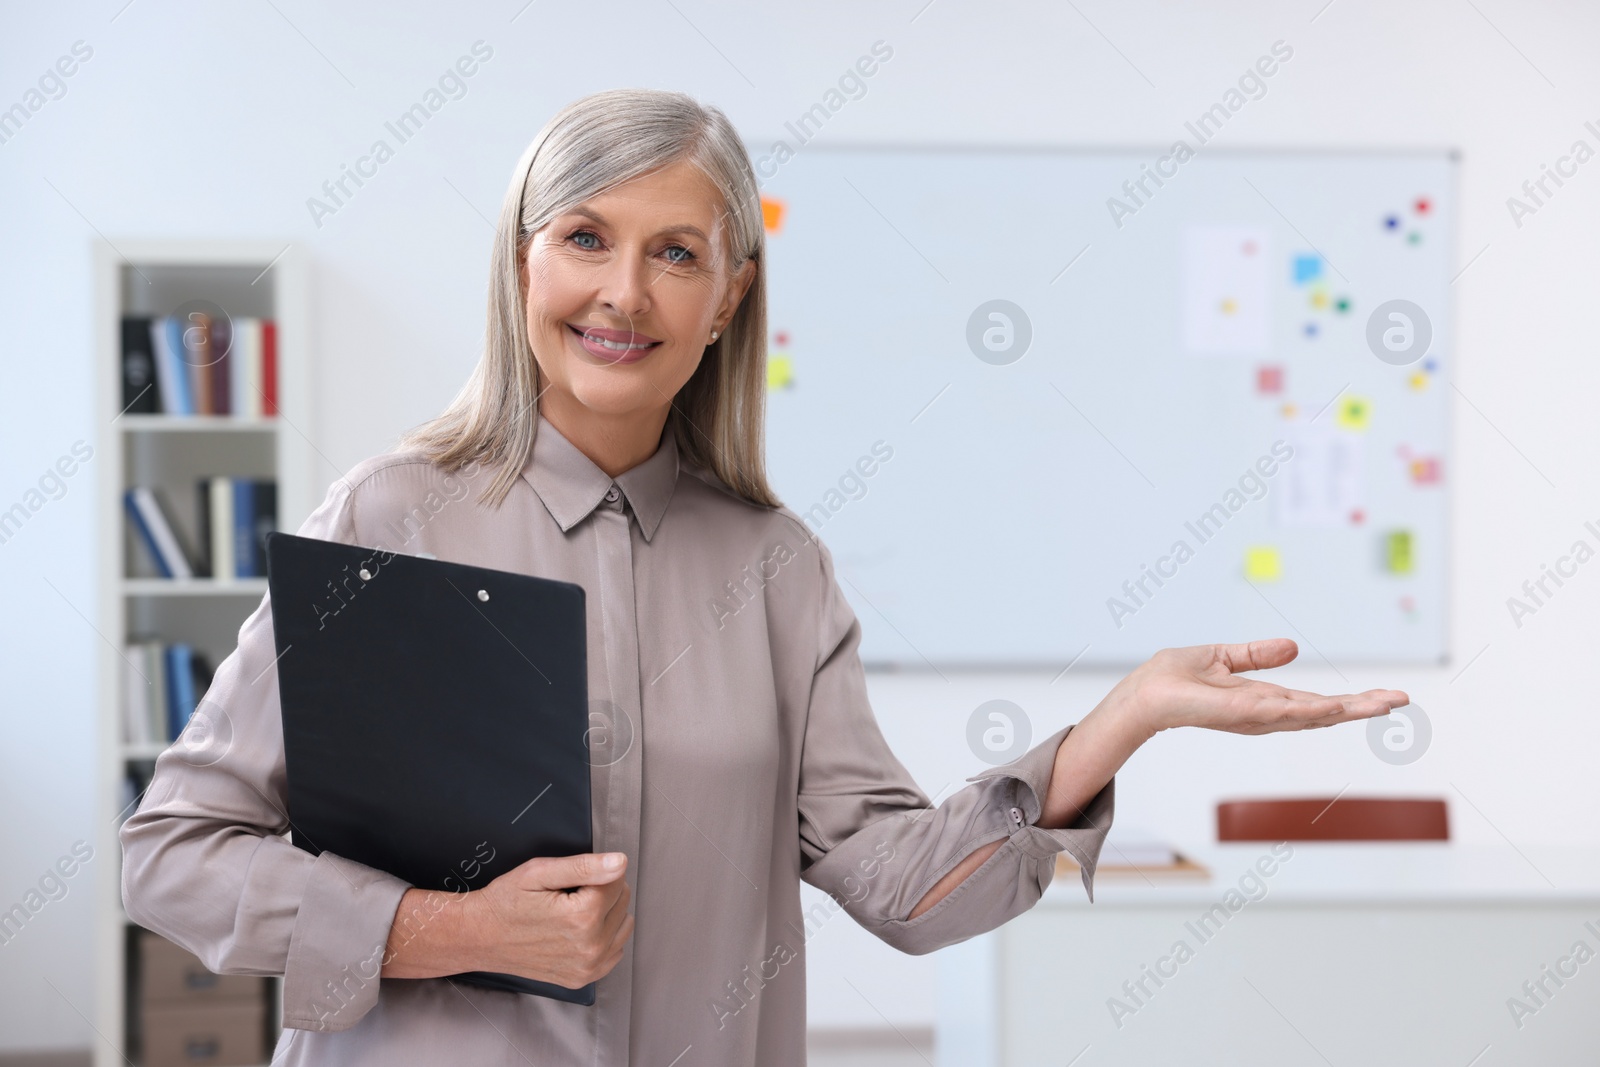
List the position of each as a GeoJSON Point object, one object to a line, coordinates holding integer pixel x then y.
{"type": "Point", "coordinates": [734, 754]}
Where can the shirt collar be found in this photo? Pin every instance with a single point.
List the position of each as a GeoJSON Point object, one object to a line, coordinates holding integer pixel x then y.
{"type": "Point", "coordinates": [572, 486]}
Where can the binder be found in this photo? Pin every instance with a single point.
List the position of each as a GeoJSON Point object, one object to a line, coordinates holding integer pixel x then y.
{"type": "Point", "coordinates": [434, 717]}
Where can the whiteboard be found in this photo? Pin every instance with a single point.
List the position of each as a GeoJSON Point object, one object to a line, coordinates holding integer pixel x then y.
{"type": "Point", "coordinates": [1174, 428]}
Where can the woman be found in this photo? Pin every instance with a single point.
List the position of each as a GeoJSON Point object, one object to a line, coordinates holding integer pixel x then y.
{"type": "Point", "coordinates": [613, 430]}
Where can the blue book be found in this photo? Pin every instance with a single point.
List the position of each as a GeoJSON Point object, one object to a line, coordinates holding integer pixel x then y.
{"type": "Point", "coordinates": [180, 674]}
{"type": "Point", "coordinates": [178, 366]}
{"type": "Point", "coordinates": [244, 528]}
{"type": "Point", "coordinates": [145, 533]}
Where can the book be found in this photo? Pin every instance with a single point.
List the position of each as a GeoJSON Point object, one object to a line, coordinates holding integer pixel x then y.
{"type": "Point", "coordinates": [136, 689]}
{"type": "Point", "coordinates": [269, 367]}
{"type": "Point", "coordinates": [235, 516]}
{"type": "Point", "coordinates": [140, 395]}
{"type": "Point", "coordinates": [264, 516]}
{"type": "Point", "coordinates": [221, 367]}
{"type": "Point", "coordinates": [201, 365]}
{"type": "Point", "coordinates": [158, 532]}
{"type": "Point", "coordinates": [244, 524]}
{"type": "Point", "coordinates": [197, 357]}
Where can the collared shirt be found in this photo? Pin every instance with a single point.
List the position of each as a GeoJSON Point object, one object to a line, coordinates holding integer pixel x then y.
{"type": "Point", "coordinates": [735, 755]}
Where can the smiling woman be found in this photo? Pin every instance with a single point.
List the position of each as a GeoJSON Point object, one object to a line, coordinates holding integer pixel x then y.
{"type": "Point", "coordinates": [618, 410]}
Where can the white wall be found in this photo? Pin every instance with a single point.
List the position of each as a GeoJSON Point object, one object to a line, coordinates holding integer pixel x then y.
{"type": "Point", "coordinates": [200, 120]}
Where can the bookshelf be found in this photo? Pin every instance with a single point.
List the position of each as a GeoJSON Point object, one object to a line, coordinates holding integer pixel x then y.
{"type": "Point", "coordinates": [259, 279]}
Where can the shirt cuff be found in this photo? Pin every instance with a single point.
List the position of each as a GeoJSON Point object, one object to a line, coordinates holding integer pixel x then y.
{"type": "Point", "coordinates": [330, 978]}
{"type": "Point", "coordinates": [1083, 840]}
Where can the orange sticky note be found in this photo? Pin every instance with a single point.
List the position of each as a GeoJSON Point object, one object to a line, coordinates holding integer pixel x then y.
{"type": "Point", "coordinates": [772, 214]}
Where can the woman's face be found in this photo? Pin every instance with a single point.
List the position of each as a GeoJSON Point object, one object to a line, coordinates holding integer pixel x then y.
{"type": "Point", "coordinates": [624, 291]}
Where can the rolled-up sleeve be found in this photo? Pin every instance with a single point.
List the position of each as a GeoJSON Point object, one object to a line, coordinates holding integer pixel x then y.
{"type": "Point", "coordinates": [872, 840]}
{"type": "Point", "coordinates": [205, 861]}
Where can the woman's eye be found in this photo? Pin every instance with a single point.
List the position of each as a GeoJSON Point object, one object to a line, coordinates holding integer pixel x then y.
{"type": "Point", "coordinates": [582, 235]}
{"type": "Point", "coordinates": [684, 258]}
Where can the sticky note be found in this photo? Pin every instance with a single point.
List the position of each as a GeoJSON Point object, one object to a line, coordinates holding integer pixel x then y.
{"type": "Point", "coordinates": [1261, 564]}
{"type": "Point", "coordinates": [1269, 379]}
{"type": "Point", "coordinates": [1354, 412]}
{"type": "Point", "coordinates": [772, 214]}
{"type": "Point", "coordinates": [1397, 551]}
{"type": "Point", "coordinates": [1425, 470]}
{"type": "Point", "coordinates": [1307, 268]}
{"type": "Point", "coordinates": [780, 372]}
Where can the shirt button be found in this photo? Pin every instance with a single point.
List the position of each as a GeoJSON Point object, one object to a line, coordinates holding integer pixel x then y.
{"type": "Point", "coordinates": [612, 494]}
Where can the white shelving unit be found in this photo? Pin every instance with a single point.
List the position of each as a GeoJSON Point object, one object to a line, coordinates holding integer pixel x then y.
{"type": "Point", "coordinates": [244, 278]}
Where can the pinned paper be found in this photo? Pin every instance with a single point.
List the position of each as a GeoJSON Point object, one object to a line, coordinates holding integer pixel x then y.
{"type": "Point", "coordinates": [1261, 564]}
{"type": "Point", "coordinates": [1225, 308]}
{"type": "Point", "coordinates": [1269, 379]}
{"type": "Point", "coordinates": [780, 372]}
{"type": "Point", "coordinates": [772, 211]}
{"type": "Point", "coordinates": [1354, 413]}
{"type": "Point", "coordinates": [1397, 551]}
{"type": "Point", "coordinates": [1307, 269]}
{"type": "Point", "coordinates": [1324, 483]}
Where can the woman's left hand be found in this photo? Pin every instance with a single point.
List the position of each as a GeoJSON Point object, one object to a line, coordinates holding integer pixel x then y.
{"type": "Point", "coordinates": [1200, 686]}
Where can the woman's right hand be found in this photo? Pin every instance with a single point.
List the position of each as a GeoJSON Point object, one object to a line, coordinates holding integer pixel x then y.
{"type": "Point", "coordinates": [563, 920]}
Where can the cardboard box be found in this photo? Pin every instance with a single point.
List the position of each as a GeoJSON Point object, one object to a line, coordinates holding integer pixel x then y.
{"type": "Point", "coordinates": [224, 1034]}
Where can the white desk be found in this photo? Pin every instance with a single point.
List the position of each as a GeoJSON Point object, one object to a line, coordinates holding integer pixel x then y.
{"type": "Point", "coordinates": [1356, 954]}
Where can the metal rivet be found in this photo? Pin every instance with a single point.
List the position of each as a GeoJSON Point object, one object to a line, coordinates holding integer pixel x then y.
{"type": "Point", "coordinates": [366, 575]}
{"type": "Point", "coordinates": [483, 594]}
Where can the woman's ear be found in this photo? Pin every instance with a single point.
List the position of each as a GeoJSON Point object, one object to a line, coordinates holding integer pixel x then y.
{"type": "Point", "coordinates": [737, 287]}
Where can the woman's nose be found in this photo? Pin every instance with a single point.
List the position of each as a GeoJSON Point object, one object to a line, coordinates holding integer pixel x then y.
{"type": "Point", "coordinates": [626, 285]}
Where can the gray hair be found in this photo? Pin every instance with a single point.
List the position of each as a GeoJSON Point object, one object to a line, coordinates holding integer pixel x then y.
{"type": "Point", "coordinates": [590, 146]}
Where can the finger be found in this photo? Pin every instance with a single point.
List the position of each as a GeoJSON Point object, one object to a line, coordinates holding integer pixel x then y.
{"type": "Point", "coordinates": [567, 872]}
{"type": "Point", "coordinates": [1258, 655]}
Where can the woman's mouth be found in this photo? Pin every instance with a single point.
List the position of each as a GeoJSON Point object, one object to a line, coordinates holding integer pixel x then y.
{"type": "Point", "coordinates": [614, 346]}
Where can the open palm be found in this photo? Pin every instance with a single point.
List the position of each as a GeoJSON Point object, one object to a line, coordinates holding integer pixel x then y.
{"type": "Point", "coordinates": [1201, 686]}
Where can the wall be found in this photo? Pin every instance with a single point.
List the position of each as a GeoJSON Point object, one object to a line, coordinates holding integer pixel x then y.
{"type": "Point", "coordinates": [200, 120]}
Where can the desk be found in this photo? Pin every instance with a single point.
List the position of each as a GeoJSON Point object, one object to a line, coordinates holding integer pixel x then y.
{"type": "Point", "coordinates": [1365, 955]}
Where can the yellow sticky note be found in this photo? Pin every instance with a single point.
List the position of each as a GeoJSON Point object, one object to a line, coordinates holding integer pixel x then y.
{"type": "Point", "coordinates": [772, 214]}
{"type": "Point", "coordinates": [1398, 551]}
{"type": "Point", "coordinates": [1261, 564]}
{"type": "Point", "coordinates": [780, 372]}
{"type": "Point", "coordinates": [1354, 412]}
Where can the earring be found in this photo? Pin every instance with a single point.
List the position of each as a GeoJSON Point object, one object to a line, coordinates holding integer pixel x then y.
{"type": "Point", "coordinates": [714, 335]}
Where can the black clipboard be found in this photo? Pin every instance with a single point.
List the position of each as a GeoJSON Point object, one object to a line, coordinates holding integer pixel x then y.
{"type": "Point", "coordinates": [434, 717]}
